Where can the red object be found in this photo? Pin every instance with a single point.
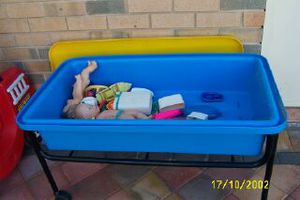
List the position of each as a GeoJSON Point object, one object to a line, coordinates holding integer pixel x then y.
{"type": "Point", "coordinates": [167, 114]}
{"type": "Point", "coordinates": [15, 90]}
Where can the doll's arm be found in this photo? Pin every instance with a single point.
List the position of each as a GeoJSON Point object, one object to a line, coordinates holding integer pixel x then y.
{"type": "Point", "coordinates": [82, 81]}
{"type": "Point", "coordinates": [85, 74]}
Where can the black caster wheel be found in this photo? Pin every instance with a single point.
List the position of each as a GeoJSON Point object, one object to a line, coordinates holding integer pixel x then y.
{"type": "Point", "coordinates": [63, 195]}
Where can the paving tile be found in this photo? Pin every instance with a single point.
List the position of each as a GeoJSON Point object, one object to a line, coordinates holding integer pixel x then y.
{"type": "Point", "coordinates": [285, 177]}
{"type": "Point", "coordinates": [229, 173]}
{"type": "Point", "coordinates": [121, 195]}
{"type": "Point", "coordinates": [288, 198]}
{"type": "Point", "coordinates": [29, 166]}
{"type": "Point", "coordinates": [18, 193]}
{"type": "Point", "coordinates": [173, 197]}
{"type": "Point", "coordinates": [98, 186]}
{"type": "Point", "coordinates": [175, 177]}
{"type": "Point", "coordinates": [289, 158]}
{"type": "Point", "coordinates": [296, 193]}
{"type": "Point", "coordinates": [75, 172]}
{"type": "Point", "coordinates": [293, 114]}
{"type": "Point", "coordinates": [201, 188]}
{"type": "Point", "coordinates": [250, 194]}
{"type": "Point", "coordinates": [295, 139]}
{"type": "Point", "coordinates": [12, 181]}
{"type": "Point", "coordinates": [126, 174]}
{"type": "Point", "coordinates": [150, 187]}
{"type": "Point", "coordinates": [40, 186]}
{"type": "Point", "coordinates": [231, 197]}
{"type": "Point", "coordinates": [284, 144]}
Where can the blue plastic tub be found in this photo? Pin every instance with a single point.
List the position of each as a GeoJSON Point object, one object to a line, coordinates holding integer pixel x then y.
{"type": "Point", "coordinates": [251, 108]}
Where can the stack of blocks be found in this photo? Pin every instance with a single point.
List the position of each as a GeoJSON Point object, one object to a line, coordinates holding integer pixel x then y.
{"type": "Point", "coordinates": [29, 27]}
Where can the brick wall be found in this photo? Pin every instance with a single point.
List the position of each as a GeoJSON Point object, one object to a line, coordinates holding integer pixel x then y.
{"type": "Point", "coordinates": [29, 27]}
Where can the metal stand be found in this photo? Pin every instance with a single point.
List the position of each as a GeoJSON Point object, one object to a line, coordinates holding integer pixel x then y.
{"type": "Point", "coordinates": [59, 194]}
{"type": "Point", "coordinates": [268, 158]}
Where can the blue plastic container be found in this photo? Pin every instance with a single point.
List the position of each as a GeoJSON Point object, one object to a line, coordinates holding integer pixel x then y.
{"type": "Point", "coordinates": [251, 108]}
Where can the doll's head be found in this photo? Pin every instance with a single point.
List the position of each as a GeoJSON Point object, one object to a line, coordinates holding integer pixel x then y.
{"type": "Point", "coordinates": [86, 111]}
{"type": "Point", "coordinates": [87, 108]}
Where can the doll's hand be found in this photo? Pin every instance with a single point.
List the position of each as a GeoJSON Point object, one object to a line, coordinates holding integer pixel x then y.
{"type": "Point", "coordinates": [92, 65]}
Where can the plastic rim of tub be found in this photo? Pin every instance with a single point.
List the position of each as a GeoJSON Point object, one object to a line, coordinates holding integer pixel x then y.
{"type": "Point", "coordinates": [61, 51]}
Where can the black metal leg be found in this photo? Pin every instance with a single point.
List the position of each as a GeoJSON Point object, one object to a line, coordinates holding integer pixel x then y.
{"type": "Point", "coordinates": [269, 166]}
{"type": "Point", "coordinates": [59, 195]}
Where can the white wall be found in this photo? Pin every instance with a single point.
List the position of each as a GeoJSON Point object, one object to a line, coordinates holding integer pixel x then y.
{"type": "Point", "coordinates": [281, 46]}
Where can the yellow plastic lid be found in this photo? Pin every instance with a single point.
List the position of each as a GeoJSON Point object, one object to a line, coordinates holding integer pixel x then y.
{"type": "Point", "coordinates": [61, 51]}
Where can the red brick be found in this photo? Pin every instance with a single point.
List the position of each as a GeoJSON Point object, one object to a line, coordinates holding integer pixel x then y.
{"type": "Point", "coordinates": [149, 5]}
{"type": "Point", "coordinates": [128, 21]}
{"type": "Point", "coordinates": [47, 24]}
{"type": "Point", "coordinates": [178, 20]}
{"type": "Point", "coordinates": [32, 39]}
{"type": "Point", "coordinates": [20, 53]}
{"type": "Point", "coordinates": [23, 10]}
{"type": "Point", "coordinates": [219, 19]}
{"type": "Point", "coordinates": [152, 32]}
{"type": "Point", "coordinates": [254, 19]}
{"type": "Point", "coordinates": [2, 11]}
{"type": "Point", "coordinates": [7, 40]}
{"type": "Point", "coordinates": [13, 25]}
{"type": "Point", "coordinates": [4, 65]}
{"type": "Point", "coordinates": [196, 5]}
{"type": "Point", "coordinates": [86, 22]}
{"type": "Point", "coordinates": [36, 66]}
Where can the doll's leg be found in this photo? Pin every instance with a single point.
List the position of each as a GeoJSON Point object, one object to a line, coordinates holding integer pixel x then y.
{"type": "Point", "coordinates": [111, 114]}
{"type": "Point", "coordinates": [139, 115]}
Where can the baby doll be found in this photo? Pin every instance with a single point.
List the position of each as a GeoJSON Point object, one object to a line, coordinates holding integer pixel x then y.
{"type": "Point", "coordinates": [81, 107]}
